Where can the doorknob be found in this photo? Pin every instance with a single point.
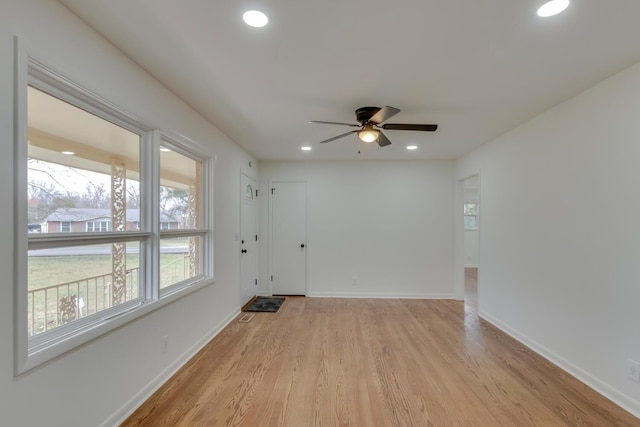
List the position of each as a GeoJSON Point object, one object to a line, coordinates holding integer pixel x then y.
{"type": "Point", "coordinates": [302, 245]}
{"type": "Point", "coordinates": [244, 251]}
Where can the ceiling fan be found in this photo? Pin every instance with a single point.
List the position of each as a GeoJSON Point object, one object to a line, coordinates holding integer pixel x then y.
{"type": "Point", "coordinates": [371, 119]}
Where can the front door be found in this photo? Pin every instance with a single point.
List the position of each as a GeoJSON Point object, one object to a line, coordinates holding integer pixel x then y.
{"type": "Point", "coordinates": [289, 238]}
{"type": "Point", "coordinates": [248, 242]}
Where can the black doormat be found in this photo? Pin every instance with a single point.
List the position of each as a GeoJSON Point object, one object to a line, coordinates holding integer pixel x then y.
{"type": "Point", "coordinates": [269, 304]}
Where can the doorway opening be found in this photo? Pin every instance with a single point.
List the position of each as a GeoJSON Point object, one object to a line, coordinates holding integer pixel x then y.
{"type": "Point", "coordinates": [471, 207]}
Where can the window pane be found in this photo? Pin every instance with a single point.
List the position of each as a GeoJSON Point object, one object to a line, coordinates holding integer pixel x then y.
{"type": "Point", "coordinates": [180, 259]}
{"type": "Point", "coordinates": [470, 221]}
{"type": "Point", "coordinates": [470, 208]}
{"type": "Point", "coordinates": [83, 171]}
{"type": "Point", "coordinates": [69, 283]}
{"type": "Point", "coordinates": [180, 190]}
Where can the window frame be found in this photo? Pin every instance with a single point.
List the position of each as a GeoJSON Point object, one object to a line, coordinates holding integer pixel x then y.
{"type": "Point", "coordinates": [175, 144]}
{"type": "Point", "coordinates": [33, 351]}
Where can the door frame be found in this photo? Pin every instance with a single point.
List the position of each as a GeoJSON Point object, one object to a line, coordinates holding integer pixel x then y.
{"type": "Point", "coordinates": [256, 208]}
{"type": "Point", "coordinates": [306, 251]}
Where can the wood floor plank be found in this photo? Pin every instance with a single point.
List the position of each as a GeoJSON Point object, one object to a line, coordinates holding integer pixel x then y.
{"type": "Point", "coordinates": [372, 362]}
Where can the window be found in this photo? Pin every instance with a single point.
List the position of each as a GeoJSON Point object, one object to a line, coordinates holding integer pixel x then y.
{"type": "Point", "coordinates": [98, 226]}
{"type": "Point", "coordinates": [470, 216]}
{"type": "Point", "coordinates": [181, 239]}
{"type": "Point", "coordinates": [89, 187]}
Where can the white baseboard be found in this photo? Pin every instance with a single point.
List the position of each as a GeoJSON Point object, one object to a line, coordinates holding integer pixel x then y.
{"type": "Point", "coordinates": [616, 396]}
{"type": "Point", "coordinates": [139, 398]}
{"type": "Point", "coordinates": [378, 295]}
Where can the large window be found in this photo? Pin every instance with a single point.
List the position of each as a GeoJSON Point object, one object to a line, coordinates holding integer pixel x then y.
{"type": "Point", "coordinates": [116, 239]}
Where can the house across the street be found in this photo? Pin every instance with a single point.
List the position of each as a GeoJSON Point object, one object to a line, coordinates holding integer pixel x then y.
{"type": "Point", "coordinates": [77, 220]}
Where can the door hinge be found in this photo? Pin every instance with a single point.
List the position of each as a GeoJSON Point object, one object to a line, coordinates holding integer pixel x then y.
{"type": "Point", "coordinates": [272, 190]}
{"type": "Point", "coordinates": [272, 278]}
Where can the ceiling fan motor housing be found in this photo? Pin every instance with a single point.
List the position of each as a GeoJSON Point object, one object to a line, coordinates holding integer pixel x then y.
{"type": "Point", "coordinates": [365, 113]}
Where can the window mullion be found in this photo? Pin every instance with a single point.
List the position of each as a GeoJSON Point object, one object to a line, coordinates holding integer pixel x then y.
{"type": "Point", "coordinates": [150, 214]}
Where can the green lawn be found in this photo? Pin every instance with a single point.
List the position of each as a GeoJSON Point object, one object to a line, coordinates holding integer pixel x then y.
{"type": "Point", "coordinates": [44, 306]}
{"type": "Point", "coordinates": [52, 270]}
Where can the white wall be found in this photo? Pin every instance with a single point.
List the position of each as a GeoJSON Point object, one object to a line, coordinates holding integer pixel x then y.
{"type": "Point", "coordinates": [560, 234]}
{"type": "Point", "coordinates": [102, 380]}
{"type": "Point", "coordinates": [388, 224]}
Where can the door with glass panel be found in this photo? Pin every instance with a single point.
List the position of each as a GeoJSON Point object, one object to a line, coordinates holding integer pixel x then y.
{"type": "Point", "coordinates": [248, 239]}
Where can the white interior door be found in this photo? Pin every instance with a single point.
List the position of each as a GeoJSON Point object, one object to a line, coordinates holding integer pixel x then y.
{"type": "Point", "coordinates": [289, 238]}
{"type": "Point", "coordinates": [248, 242]}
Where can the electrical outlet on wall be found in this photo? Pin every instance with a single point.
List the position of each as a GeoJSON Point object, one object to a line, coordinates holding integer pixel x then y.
{"type": "Point", "coordinates": [633, 370]}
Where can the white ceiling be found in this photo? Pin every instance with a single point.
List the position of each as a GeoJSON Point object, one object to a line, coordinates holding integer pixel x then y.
{"type": "Point", "coordinates": [476, 68]}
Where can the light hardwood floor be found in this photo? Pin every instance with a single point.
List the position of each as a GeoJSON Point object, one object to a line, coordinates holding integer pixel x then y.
{"type": "Point", "coordinates": [372, 362]}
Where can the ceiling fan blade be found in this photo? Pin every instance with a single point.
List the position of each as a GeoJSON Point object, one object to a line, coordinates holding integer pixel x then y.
{"type": "Point", "coordinates": [383, 141]}
{"type": "Point", "coordinates": [384, 114]}
{"type": "Point", "coordinates": [338, 137]}
{"type": "Point", "coordinates": [334, 123]}
{"type": "Point", "coordinates": [404, 126]}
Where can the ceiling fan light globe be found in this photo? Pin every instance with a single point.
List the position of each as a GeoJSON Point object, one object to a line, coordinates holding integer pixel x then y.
{"type": "Point", "coordinates": [368, 135]}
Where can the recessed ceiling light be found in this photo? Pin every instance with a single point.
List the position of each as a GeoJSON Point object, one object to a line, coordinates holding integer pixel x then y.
{"type": "Point", "coordinates": [164, 149]}
{"type": "Point", "coordinates": [68, 153]}
{"type": "Point", "coordinates": [306, 148]}
{"type": "Point", "coordinates": [255, 18]}
{"type": "Point", "coordinates": [552, 7]}
{"type": "Point", "coordinates": [412, 147]}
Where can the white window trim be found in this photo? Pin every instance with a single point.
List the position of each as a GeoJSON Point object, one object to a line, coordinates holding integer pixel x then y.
{"type": "Point", "coordinates": [31, 353]}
